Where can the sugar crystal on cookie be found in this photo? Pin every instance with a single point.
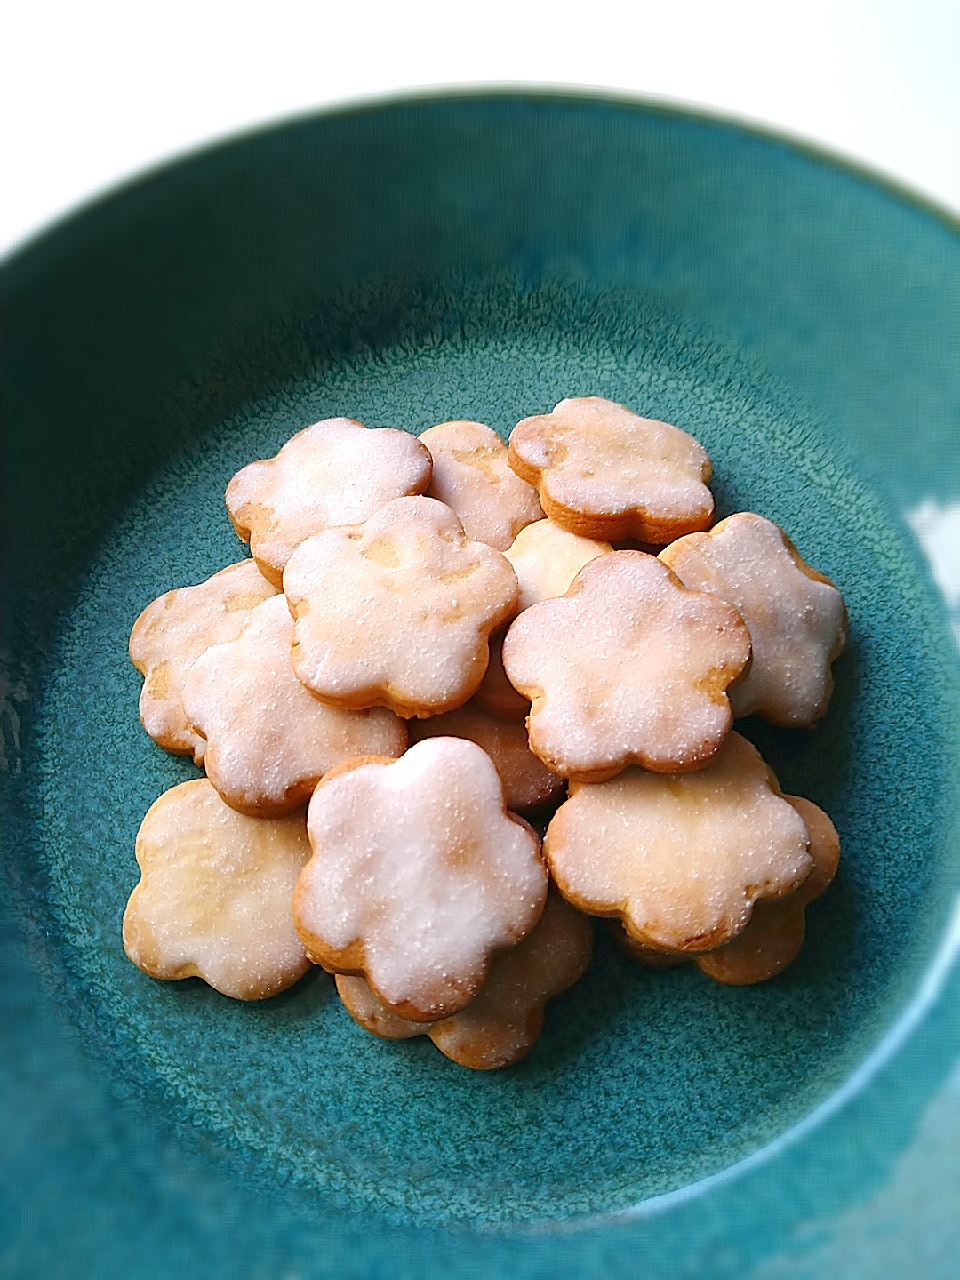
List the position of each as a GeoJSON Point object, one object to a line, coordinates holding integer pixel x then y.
{"type": "Point", "coordinates": [680, 858]}
{"type": "Point", "coordinates": [504, 1021]}
{"type": "Point", "coordinates": [173, 631]}
{"type": "Point", "coordinates": [472, 476]}
{"type": "Point", "coordinates": [627, 667]}
{"type": "Point", "coordinates": [774, 933]}
{"type": "Point", "coordinates": [332, 473]}
{"type": "Point", "coordinates": [795, 616]}
{"type": "Point", "coordinates": [269, 741]}
{"type": "Point", "coordinates": [603, 471]}
{"type": "Point", "coordinates": [547, 558]}
{"type": "Point", "coordinates": [215, 893]}
{"type": "Point", "coordinates": [418, 877]}
{"type": "Point", "coordinates": [397, 611]}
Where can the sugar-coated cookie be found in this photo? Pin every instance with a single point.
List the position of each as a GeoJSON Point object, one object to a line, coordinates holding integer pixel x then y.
{"type": "Point", "coordinates": [270, 741]}
{"type": "Point", "coordinates": [171, 634]}
{"type": "Point", "coordinates": [774, 933]}
{"type": "Point", "coordinates": [795, 615]}
{"type": "Point", "coordinates": [504, 1022]}
{"type": "Point", "coordinates": [332, 473]}
{"type": "Point", "coordinates": [214, 896]}
{"type": "Point", "coordinates": [471, 475]}
{"type": "Point", "coordinates": [629, 667]}
{"type": "Point", "coordinates": [495, 693]}
{"type": "Point", "coordinates": [527, 782]}
{"type": "Point", "coordinates": [418, 876]}
{"type": "Point", "coordinates": [397, 611]}
{"type": "Point", "coordinates": [546, 558]}
{"type": "Point", "coordinates": [602, 471]}
{"type": "Point", "coordinates": [680, 859]}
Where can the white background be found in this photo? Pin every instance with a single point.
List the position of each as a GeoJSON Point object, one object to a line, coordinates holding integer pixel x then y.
{"type": "Point", "coordinates": [92, 92]}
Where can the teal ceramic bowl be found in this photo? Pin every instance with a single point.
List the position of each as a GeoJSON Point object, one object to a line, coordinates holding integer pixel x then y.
{"type": "Point", "coordinates": [482, 256]}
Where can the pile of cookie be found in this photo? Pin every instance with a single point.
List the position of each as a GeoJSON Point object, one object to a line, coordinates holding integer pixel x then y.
{"type": "Point", "coordinates": [435, 637]}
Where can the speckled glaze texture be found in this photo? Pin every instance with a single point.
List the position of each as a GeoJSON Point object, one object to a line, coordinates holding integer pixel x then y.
{"type": "Point", "coordinates": [485, 257]}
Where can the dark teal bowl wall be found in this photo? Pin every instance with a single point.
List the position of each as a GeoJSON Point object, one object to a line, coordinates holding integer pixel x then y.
{"type": "Point", "coordinates": [479, 256]}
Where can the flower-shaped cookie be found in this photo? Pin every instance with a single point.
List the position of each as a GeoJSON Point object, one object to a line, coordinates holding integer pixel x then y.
{"type": "Point", "coordinates": [680, 859]}
{"type": "Point", "coordinates": [795, 615]}
{"type": "Point", "coordinates": [214, 896]}
{"type": "Point", "coordinates": [504, 1022]}
{"type": "Point", "coordinates": [397, 611]}
{"type": "Point", "coordinates": [605, 472]}
{"type": "Point", "coordinates": [171, 634]}
{"type": "Point", "coordinates": [471, 474]}
{"type": "Point", "coordinates": [419, 876]}
{"type": "Point", "coordinates": [332, 473]}
{"type": "Point", "coordinates": [546, 558]}
{"type": "Point", "coordinates": [527, 782]}
{"type": "Point", "coordinates": [269, 741]}
{"type": "Point", "coordinates": [629, 667]}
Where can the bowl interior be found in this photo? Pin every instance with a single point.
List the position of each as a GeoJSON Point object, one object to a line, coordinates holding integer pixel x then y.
{"type": "Point", "coordinates": [152, 359]}
{"type": "Point", "coordinates": [643, 1082]}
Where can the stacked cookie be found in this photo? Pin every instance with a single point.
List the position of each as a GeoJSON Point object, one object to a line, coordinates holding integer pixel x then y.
{"type": "Point", "coordinates": [407, 590]}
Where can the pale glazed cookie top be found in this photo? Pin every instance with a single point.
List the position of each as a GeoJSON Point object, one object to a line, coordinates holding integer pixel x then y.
{"type": "Point", "coordinates": [214, 896]}
{"type": "Point", "coordinates": [795, 615]}
{"type": "Point", "coordinates": [504, 1022]}
{"type": "Point", "coordinates": [629, 667]}
{"type": "Point", "coordinates": [527, 782]}
{"type": "Point", "coordinates": [269, 741]}
{"type": "Point", "coordinates": [418, 876]}
{"type": "Point", "coordinates": [680, 859]}
{"type": "Point", "coordinates": [546, 558]}
{"type": "Point", "coordinates": [605, 472]}
{"type": "Point", "coordinates": [471, 474]}
{"type": "Point", "coordinates": [332, 473]}
{"type": "Point", "coordinates": [397, 611]}
{"type": "Point", "coordinates": [171, 634]}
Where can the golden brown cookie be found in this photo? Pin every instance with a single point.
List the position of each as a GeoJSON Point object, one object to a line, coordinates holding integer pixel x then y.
{"type": "Point", "coordinates": [397, 611]}
{"type": "Point", "coordinates": [214, 896]}
{"type": "Point", "coordinates": [547, 558]}
{"type": "Point", "coordinates": [504, 1022]}
{"type": "Point", "coordinates": [527, 782]}
{"type": "Point", "coordinates": [680, 859]}
{"type": "Point", "coordinates": [418, 876]}
{"type": "Point", "coordinates": [270, 741]}
{"type": "Point", "coordinates": [795, 615]}
{"type": "Point", "coordinates": [774, 933]}
{"type": "Point", "coordinates": [495, 693]}
{"type": "Point", "coordinates": [604, 472]}
{"type": "Point", "coordinates": [649, 957]}
{"type": "Point", "coordinates": [627, 668]}
{"type": "Point", "coordinates": [472, 476]}
{"type": "Point", "coordinates": [174, 631]}
{"type": "Point", "coordinates": [332, 473]}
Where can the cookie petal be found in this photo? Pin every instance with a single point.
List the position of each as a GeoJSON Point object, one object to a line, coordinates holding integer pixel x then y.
{"type": "Point", "coordinates": [680, 859]}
